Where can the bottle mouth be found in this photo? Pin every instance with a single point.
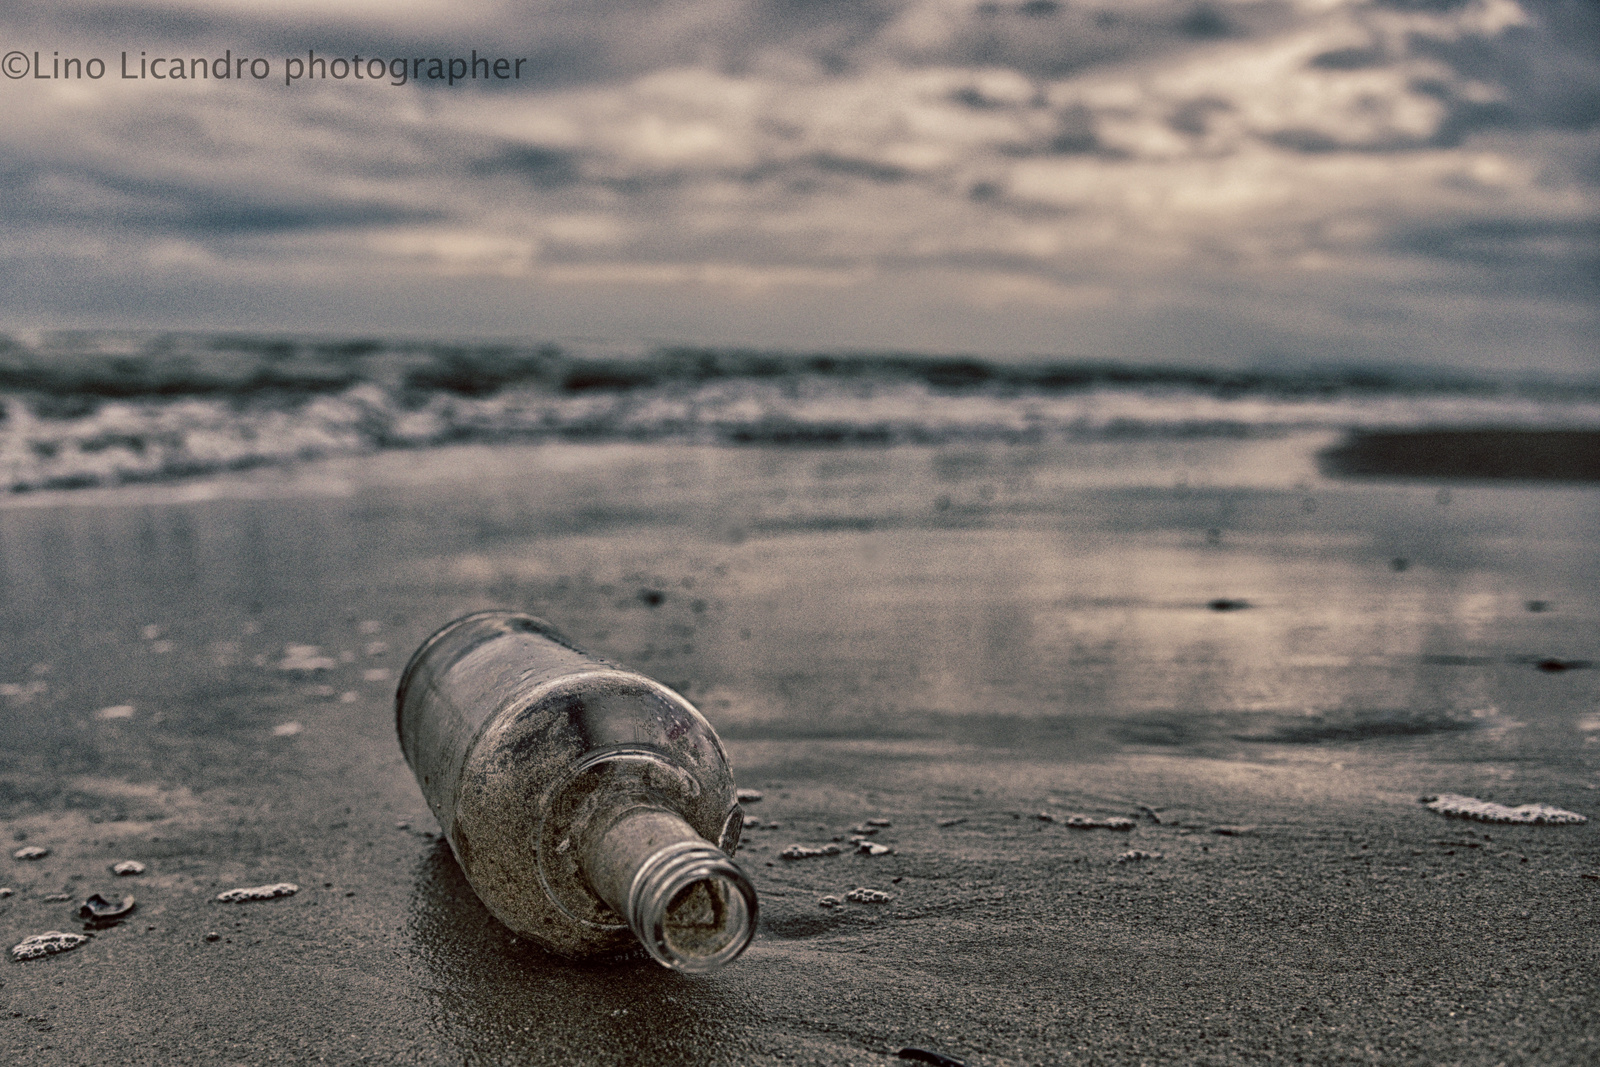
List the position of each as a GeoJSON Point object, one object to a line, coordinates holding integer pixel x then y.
{"type": "Point", "coordinates": [692, 908]}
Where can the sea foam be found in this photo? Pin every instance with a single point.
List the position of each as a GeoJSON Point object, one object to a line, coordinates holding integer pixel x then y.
{"type": "Point", "coordinates": [106, 408]}
{"type": "Point", "coordinates": [1463, 807]}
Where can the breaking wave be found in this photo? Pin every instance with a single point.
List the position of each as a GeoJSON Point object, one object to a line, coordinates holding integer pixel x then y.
{"type": "Point", "coordinates": [109, 407]}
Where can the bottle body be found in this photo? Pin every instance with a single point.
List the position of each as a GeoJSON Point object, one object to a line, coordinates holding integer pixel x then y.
{"type": "Point", "coordinates": [590, 807]}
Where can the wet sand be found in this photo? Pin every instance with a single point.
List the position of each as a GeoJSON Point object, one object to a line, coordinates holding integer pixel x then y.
{"type": "Point", "coordinates": [955, 639]}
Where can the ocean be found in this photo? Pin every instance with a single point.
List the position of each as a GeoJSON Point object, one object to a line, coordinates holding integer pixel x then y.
{"type": "Point", "coordinates": [102, 408]}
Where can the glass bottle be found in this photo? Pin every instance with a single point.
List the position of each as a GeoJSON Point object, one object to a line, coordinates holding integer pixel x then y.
{"type": "Point", "coordinates": [590, 807]}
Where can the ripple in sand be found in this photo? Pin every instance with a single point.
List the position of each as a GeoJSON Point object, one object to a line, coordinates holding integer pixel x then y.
{"type": "Point", "coordinates": [46, 944]}
{"type": "Point", "coordinates": [1556, 665]}
{"type": "Point", "coordinates": [1463, 807]}
{"type": "Point", "coordinates": [260, 892]}
{"type": "Point", "coordinates": [1359, 724]}
{"type": "Point", "coordinates": [1110, 822]}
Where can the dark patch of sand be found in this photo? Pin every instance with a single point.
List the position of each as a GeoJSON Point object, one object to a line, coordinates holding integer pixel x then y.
{"type": "Point", "coordinates": [1487, 453]}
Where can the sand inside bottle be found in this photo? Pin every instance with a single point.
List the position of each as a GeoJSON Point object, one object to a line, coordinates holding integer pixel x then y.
{"type": "Point", "coordinates": [704, 918]}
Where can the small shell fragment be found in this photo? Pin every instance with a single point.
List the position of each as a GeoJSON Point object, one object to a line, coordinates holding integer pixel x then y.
{"type": "Point", "coordinates": [829, 901]}
{"type": "Point", "coordinates": [867, 848]}
{"type": "Point", "coordinates": [863, 895]}
{"type": "Point", "coordinates": [748, 796]}
{"type": "Point", "coordinates": [260, 892]}
{"type": "Point", "coordinates": [802, 852]}
{"type": "Point", "coordinates": [1138, 856]}
{"type": "Point", "coordinates": [127, 867]}
{"type": "Point", "coordinates": [30, 852]}
{"type": "Point", "coordinates": [46, 944]}
{"type": "Point", "coordinates": [97, 909]}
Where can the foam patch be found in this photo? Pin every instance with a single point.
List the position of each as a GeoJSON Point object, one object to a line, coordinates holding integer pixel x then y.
{"type": "Point", "coordinates": [1461, 807]}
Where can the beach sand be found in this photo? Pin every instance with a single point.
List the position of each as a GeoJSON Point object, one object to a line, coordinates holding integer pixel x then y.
{"type": "Point", "coordinates": [1265, 667]}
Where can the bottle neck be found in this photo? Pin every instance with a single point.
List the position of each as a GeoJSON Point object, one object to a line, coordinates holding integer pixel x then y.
{"type": "Point", "coordinates": [686, 901]}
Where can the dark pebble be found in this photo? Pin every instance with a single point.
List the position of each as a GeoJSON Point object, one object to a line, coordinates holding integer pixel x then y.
{"type": "Point", "coordinates": [922, 1055]}
{"type": "Point", "coordinates": [652, 597]}
{"type": "Point", "coordinates": [1538, 605]}
{"type": "Point", "coordinates": [1399, 563]}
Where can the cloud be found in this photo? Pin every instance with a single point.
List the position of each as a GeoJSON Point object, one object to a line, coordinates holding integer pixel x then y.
{"type": "Point", "coordinates": [1364, 162]}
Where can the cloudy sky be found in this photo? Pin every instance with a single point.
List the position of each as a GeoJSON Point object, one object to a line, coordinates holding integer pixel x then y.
{"type": "Point", "coordinates": [1242, 182]}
